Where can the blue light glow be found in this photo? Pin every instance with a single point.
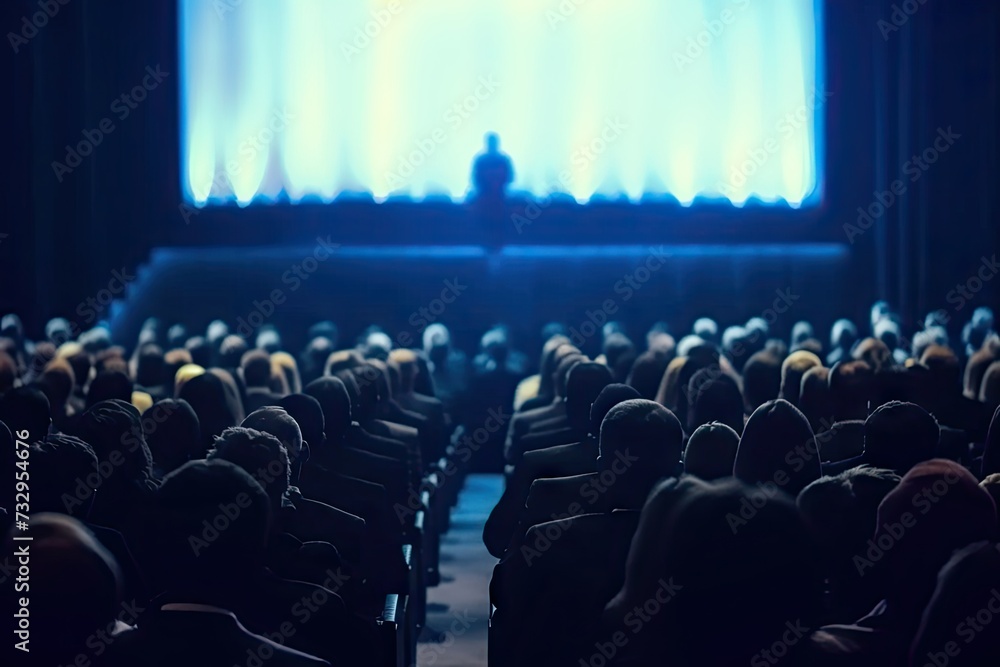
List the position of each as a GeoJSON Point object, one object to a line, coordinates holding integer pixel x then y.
{"type": "Point", "coordinates": [288, 100]}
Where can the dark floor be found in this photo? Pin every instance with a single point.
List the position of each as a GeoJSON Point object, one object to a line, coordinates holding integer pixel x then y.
{"type": "Point", "coordinates": [459, 607]}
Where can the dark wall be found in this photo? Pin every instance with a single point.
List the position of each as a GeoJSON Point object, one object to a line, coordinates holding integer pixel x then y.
{"type": "Point", "coordinates": [891, 91]}
{"type": "Point", "coordinates": [467, 289]}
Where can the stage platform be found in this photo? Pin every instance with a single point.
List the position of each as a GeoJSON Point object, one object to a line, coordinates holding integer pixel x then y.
{"type": "Point", "coordinates": [469, 288]}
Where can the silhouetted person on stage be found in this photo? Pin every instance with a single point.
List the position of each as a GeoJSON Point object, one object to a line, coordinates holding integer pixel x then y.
{"type": "Point", "coordinates": [492, 174]}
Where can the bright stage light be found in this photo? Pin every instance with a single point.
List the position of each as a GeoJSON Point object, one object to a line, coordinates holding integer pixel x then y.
{"type": "Point", "coordinates": [309, 99]}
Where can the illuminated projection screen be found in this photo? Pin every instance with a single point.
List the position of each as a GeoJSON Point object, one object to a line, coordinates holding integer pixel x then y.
{"type": "Point", "coordinates": [307, 100]}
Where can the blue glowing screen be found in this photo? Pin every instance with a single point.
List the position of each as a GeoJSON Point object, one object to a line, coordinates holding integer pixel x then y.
{"type": "Point", "coordinates": [308, 100]}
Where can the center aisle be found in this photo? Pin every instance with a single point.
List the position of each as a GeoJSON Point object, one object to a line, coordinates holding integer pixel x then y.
{"type": "Point", "coordinates": [459, 607]}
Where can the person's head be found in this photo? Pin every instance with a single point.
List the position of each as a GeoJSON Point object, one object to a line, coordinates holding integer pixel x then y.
{"type": "Point", "coordinates": [706, 329]}
{"type": "Point", "coordinates": [231, 351]}
{"type": "Point", "coordinates": [59, 463]}
{"type": "Point", "coordinates": [934, 336]}
{"type": "Point", "coordinates": [841, 514]}
{"type": "Point", "coordinates": [255, 366]}
{"type": "Point", "coordinates": [215, 333]}
{"type": "Point", "coordinates": [173, 360]}
{"type": "Point", "coordinates": [619, 353]}
{"type": "Point", "coordinates": [234, 400]}
{"type": "Point", "coordinates": [875, 353]}
{"type": "Point", "coordinates": [150, 331]}
{"type": "Point", "coordinates": [562, 370]}
{"type": "Point", "coordinates": [610, 396]}
{"type": "Point", "coordinates": [436, 340]}
{"type": "Point", "coordinates": [268, 339]}
{"type": "Point", "coordinates": [406, 363]}
{"type": "Point", "coordinates": [261, 455]}
{"type": "Point", "coordinates": [377, 345]}
{"type": "Point", "coordinates": [277, 422]}
{"type": "Point", "coordinates": [308, 414]}
{"type": "Point", "coordinates": [314, 357]}
{"type": "Point", "coordinates": [11, 327]}
{"type": "Point", "coordinates": [751, 577]}
{"type": "Point", "coordinates": [735, 344]}
{"type": "Point", "coordinates": [174, 436]}
{"type": "Point", "coordinates": [900, 435]}
{"type": "Point", "coordinates": [699, 357]}
{"type": "Point", "coordinates": [150, 366]}
{"type": "Point", "coordinates": [944, 367]}
{"type": "Point", "coordinates": [44, 353]}
{"type": "Point", "coordinates": [711, 451]}
{"type": "Point", "coordinates": [177, 334]}
{"type": "Point", "coordinates": [688, 343]}
{"type": "Point", "coordinates": [668, 393]}
{"type": "Point", "coordinates": [801, 332]}
{"type": "Point", "coordinates": [843, 335]}
{"type": "Point", "coordinates": [714, 396]}
{"type": "Point", "coordinates": [57, 382]}
{"type": "Point", "coordinates": [879, 310]}
{"type": "Point", "coordinates": [758, 326]}
{"type": "Point", "coordinates": [58, 330]}
{"type": "Point", "coordinates": [285, 374]}
{"type": "Point", "coordinates": [26, 409]}
{"type": "Point", "coordinates": [335, 402]}
{"type": "Point", "coordinates": [79, 360]}
{"type": "Point", "coordinates": [583, 385]}
{"type": "Point", "coordinates": [793, 368]}
{"type": "Point", "coordinates": [365, 407]}
{"type": "Point", "coordinates": [982, 318]}
{"type": "Point", "coordinates": [976, 368]}
{"type": "Point", "coordinates": [814, 398]}
{"type": "Point", "coordinates": [659, 340]}
{"type": "Point", "coordinates": [547, 365]}
{"type": "Point", "coordinates": [851, 388]}
{"type": "Point", "coordinates": [761, 379]}
{"type": "Point", "coordinates": [937, 507]}
{"type": "Point", "coordinates": [185, 373]}
{"type": "Point", "coordinates": [207, 395]}
{"type": "Point", "coordinates": [495, 344]}
{"type": "Point", "coordinates": [778, 448]}
{"type": "Point", "coordinates": [109, 385]}
{"type": "Point", "coordinates": [113, 429]}
{"type": "Point", "coordinates": [978, 330]}
{"type": "Point", "coordinates": [324, 329]}
{"type": "Point", "coordinates": [201, 351]}
{"type": "Point", "coordinates": [201, 492]}
{"type": "Point", "coordinates": [76, 589]}
{"type": "Point", "coordinates": [111, 359]}
{"type": "Point", "coordinates": [889, 332]}
{"type": "Point", "coordinates": [492, 142]}
{"type": "Point", "coordinates": [647, 371]}
{"type": "Point", "coordinates": [342, 360]}
{"type": "Point", "coordinates": [989, 388]}
{"type": "Point", "coordinates": [965, 594]}
{"type": "Point", "coordinates": [646, 435]}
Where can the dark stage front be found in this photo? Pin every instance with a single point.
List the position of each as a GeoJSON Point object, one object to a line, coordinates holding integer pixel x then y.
{"type": "Point", "coordinates": [470, 288]}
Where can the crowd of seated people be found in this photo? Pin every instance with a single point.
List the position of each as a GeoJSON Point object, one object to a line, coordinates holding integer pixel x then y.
{"type": "Point", "coordinates": [211, 500]}
{"type": "Point", "coordinates": [725, 497]}
{"type": "Point", "coordinates": [736, 499]}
